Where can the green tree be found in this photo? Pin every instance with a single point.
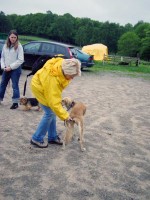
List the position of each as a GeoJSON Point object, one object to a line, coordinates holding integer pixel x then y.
{"type": "Point", "coordinates": [141, 29]}
{"type": "Point", "coordinates": [5, 24]}
{"type": "Point", "coordinates": [48, 21]}
{"type": "Point", "coordinates": [128, 27]}
{"type": "Point", "coordinates": [145, 45]}
{"type": "Point", "coordinates": [83, 31]}
{"type": "Point", "coordinates": [63, 28]}
{"type": "Point", "coordinates": [80, 37]}
{"type": "Point", "coordinates": [129, 44]}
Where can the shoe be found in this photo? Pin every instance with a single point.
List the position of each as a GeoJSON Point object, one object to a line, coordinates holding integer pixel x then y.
{"type": "Point", "coordinates": [39, 144]}
{"type": "Point", "coordinates": [14, 106]}
{"type": "Point", "coordinates": [57, 141]}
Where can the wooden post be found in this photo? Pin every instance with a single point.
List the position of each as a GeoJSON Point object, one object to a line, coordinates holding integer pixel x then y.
{"type": "Point", "coordinates": [104, 59]}
{"type": "Point", "coordinates": [137, 60]}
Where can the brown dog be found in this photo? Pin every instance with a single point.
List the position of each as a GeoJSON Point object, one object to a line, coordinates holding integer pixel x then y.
{"type": "Point", "coordinates": [77, 112]}
{"type": "Point", "coordinates": [28, 103]}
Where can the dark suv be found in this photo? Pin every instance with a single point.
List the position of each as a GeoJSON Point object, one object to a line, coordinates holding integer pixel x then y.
{"type": "Point", "coordinates": [36, 49]}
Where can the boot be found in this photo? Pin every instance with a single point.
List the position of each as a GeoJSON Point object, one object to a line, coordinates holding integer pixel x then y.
{"type": "Point", "coordinates": [14, 106]}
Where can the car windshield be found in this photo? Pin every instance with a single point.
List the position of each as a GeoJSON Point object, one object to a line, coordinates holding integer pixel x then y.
{"type": "Point", "coordinates": [79, 51]}
{"type": "Point", "coordinates": [75, 51]}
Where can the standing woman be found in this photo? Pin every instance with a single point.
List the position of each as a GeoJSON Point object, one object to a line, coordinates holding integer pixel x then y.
{"type": "Point", "coordinates": [11, 59]}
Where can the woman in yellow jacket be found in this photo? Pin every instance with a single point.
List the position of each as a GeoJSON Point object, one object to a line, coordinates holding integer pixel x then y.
{"type": "Point", "coordinates": [47, 86]}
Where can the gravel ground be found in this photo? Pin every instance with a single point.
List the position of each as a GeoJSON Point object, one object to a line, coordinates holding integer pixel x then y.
{"type": "Point", "coordinates": [116, 165]}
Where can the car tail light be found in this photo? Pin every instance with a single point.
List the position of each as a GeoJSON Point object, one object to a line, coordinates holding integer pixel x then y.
{"type": "Point", "coordinates": [70, 53]}
{"type": "Point", "coordinates": [91, 58]}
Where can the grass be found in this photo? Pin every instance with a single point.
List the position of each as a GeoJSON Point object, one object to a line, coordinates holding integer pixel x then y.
{"type": "Point", "coordinates": [132, 71]}
{"type": "Point", "coordinates": [99, 66]}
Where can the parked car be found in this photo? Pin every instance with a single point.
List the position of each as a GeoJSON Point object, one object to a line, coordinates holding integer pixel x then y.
{"type": "Point", "coordinates": [86, 59]}
{"type": "Point", "coordinates": [2, 42]}
{"type": "Point", "coordinates": [35, 49]}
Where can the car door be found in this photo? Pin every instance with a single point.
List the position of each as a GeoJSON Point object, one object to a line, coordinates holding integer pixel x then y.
{"type": "Point", "coordinates": [2, 42]}
{"type": "Point", "coordinates": [31, 53]}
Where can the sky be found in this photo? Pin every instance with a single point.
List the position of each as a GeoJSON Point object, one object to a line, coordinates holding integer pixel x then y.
{"type": "Point", "coordinates": [116, 11]}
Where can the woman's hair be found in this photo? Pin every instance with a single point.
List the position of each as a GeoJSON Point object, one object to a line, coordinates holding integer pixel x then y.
{"type": "Point", "coordinates": [8, 42]}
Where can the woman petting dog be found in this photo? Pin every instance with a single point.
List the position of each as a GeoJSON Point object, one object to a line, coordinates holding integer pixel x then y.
{"type": "Point", "coordinates": [47, 86]}
{"type": "Point", "coordinates": [12, 57]}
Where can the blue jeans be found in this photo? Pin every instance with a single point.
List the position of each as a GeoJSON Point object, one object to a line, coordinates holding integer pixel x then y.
{"type": "Point", "coordinates": [14, 75]}
{"type": "Point", "coordinates": [47, 124]}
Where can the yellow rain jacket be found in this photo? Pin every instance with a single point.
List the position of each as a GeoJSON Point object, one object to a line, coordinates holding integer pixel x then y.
{"type": "Point", "coordinates": [47, 86]}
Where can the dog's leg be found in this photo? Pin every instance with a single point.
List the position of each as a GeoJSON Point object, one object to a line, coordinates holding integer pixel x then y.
{"type": "Point", "coordinates": [64, 140]}
{"type": "Point", "coordinates": [24, 108]}
{"type": "Point", "coordinates": [66, 137]}
{"type": "Point", "coordinates": [29, 107]}
{"type": "Point", "coordinates": [68, 134]}
{"type": "Point", "coordinates": [81, 140]}
{"type": "Point", "coordinates": [64, 145]}
{"type": "Point", "coordinates": [70, 131]}
{"type": "Point", "coordinates": [39, 108]}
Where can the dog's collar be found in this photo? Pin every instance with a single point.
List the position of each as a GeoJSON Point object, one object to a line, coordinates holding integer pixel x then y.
{"type": "Point", "coordinates": [72, 104]}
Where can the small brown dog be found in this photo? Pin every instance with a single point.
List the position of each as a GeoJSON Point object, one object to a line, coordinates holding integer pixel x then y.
{"type": "Point", "coordinates": [77, 112]}
{"type": "Point", "coordinates": [28, 103]}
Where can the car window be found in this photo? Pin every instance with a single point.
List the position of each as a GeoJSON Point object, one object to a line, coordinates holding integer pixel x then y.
{"type": "Point", "coordinates": [32, 47]}
{"type": "Point", "coordinates": [60, 50]}
{"type": "Point", "coordinates": [73, 51]}
{"type": "Point", "coordinates": [48, 48]}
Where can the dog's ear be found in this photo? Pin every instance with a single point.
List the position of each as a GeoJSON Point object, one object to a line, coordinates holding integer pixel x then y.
{"type": "Point", "coordinates": [68, 99]}
{"type": "Point", "coordinates": [65, 100]}
{"type": "Point", "coordinates": [62, 101]}
{"type": "Point", "coordinates": [23, 97]}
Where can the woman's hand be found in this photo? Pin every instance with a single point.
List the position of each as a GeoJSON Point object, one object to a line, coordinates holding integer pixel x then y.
{"type": "Point", "coordinates": [69, 119]}
{"type": "Point", "coordinates": [7, 69]}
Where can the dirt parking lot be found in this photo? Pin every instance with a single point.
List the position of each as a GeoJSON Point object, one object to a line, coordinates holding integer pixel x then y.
{"type": "Point", "coordinates": [116, 165]}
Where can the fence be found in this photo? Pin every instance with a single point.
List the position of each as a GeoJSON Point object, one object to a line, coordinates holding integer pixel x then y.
{"type": "Point", "coordinates": [121, 60]}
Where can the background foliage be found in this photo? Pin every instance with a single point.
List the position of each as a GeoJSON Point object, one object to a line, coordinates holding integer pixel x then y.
{"type": "Point", "coordinates": [126, 40]}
